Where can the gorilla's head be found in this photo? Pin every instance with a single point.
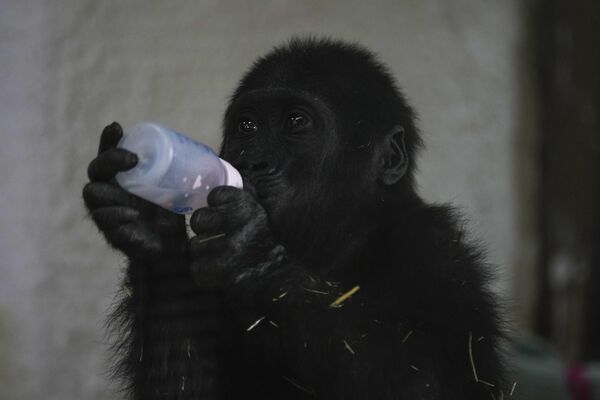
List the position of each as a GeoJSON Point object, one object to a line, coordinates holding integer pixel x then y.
{"type": "Point", "coordinates": [322, 133]}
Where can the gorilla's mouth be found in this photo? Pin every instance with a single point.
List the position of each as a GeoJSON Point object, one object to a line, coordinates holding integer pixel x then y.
{"type": "Point", "coordinates": [264, 186]}
{"type": "Point", "coordinates": [262, 179]}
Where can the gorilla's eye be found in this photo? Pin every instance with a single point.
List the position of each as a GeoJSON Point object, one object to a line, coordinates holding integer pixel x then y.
{"type": "Point", "coordinates": [246, 126]}
{"type": "Point", "coordinates": [297, 121]}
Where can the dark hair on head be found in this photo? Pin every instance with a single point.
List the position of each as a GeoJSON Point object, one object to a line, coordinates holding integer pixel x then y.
{"type": "Point", "coordinates": [347, 76]}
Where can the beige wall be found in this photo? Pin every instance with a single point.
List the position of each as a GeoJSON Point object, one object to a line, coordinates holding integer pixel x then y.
{"type": "Point", "coordinates": [69, 67]}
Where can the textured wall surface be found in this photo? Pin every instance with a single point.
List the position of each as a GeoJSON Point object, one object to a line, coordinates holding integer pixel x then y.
{"type": "Point", "coordinates": [68, 67]}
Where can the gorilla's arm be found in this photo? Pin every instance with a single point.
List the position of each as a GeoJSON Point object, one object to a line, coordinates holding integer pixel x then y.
{"type": "Point", "coordinates": [167, 331]}
{"type": "Point", "coordinates": [392, 336]}
{"type": "Point", "coordinates": [165, 325]}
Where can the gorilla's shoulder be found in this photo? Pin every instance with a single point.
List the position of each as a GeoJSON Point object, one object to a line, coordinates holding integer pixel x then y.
{"type": "Point", "coordinates": [433, 264]}
{"type": "Point", "coordinates": [438, 233]}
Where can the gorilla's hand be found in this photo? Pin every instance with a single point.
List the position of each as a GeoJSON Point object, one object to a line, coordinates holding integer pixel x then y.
{"type": "Point", "coordinates": [136, 227]}
{"type": "Point", "coordinates": [234, 243]}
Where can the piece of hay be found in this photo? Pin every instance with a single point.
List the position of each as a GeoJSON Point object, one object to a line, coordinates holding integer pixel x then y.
{"type": "Point", "coordinates": [486, 383]}
{"type": "Point", "coordinates": [471, 356]}
{"type": "Point", "coordinates": [296, 385]}
{"type": "Point", "coordinates": [255, 323]}
{"type": "Point", "coordinates": [315, 291]}
{"type": "Point", "coordinates": [344, 297]}
{"type": "Point", "coordinates": [128, 290]}
{"type": "Point", "coordinates": [347, 346]}
{"type": "Point", "coordinates": [208, 239]}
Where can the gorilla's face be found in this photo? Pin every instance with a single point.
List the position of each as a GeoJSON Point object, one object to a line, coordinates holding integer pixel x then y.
{"type": "Point", "coordinates": [318, 136]}
{"type": "Point", "coordinates": [281, 141]}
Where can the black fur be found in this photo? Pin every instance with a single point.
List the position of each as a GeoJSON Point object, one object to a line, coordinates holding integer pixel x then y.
{"type": "Point", "coordinates": [323, 137]}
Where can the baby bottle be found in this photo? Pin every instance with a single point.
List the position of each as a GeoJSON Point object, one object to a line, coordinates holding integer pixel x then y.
{"type": "Point", "coordinates": [173, 171]}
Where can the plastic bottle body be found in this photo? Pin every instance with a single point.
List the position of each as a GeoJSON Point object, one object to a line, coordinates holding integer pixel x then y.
{"type": "Point", "coordinates": [173, 171]}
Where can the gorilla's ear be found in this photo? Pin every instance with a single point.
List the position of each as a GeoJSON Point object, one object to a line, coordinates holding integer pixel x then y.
{"type": "Point", "coordinates": [393, 163]}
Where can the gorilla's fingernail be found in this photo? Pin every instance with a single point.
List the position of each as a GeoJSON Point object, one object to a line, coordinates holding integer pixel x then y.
{"type": "Point", "coordinates": [132, 158]}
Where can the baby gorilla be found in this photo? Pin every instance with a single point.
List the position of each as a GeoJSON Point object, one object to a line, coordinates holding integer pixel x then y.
{"type": "Point", "coordinates": [328, 277]}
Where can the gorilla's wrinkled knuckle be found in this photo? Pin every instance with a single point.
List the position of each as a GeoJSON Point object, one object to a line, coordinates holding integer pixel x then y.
{"type": "Point", "coordinates": [87, 192]}
{"type": "Point", "coordinates": [98, 217]}
{"type": "Point", "coordinates": [217, 195]}
{"type": "Point", "coordinates": [246, 196]}
{"type": "Point", "coordinates": [206, 220]}
{"type": "Point", "coordinates": [222, 195]}
{"type": "Point", "coordinates": [92, 194]}
{"type": "Point", "coordinates": [243, 215]}
{"type": "Point", "coordinates": [91, 169]}
{"type": "Point", "coordinates": [196, 219]}
{"type": "Point", "coordinates": [247, 204]}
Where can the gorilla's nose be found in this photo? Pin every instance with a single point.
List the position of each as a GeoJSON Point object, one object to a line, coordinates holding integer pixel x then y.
{"type": "Point", "coordinates": [268, 165]}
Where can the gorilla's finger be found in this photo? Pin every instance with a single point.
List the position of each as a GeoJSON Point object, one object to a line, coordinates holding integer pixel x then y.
{"type": "Point", "coordinates": [106, 165]}
{"type": "Point", "coordinates": [240, 213]}
{"type": "Point", "coordinates": [206, 220]}
{"type": "Point", "coordinates": [111, 135]}
{"type": "Point", "coordinates": [108, 218]}
{"type": "Point", "coordinates": [135, 239]}
{"type": "Point", "coordinates": [225, 194]}
{"type": "Point", "coordinates": [102, 194]}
